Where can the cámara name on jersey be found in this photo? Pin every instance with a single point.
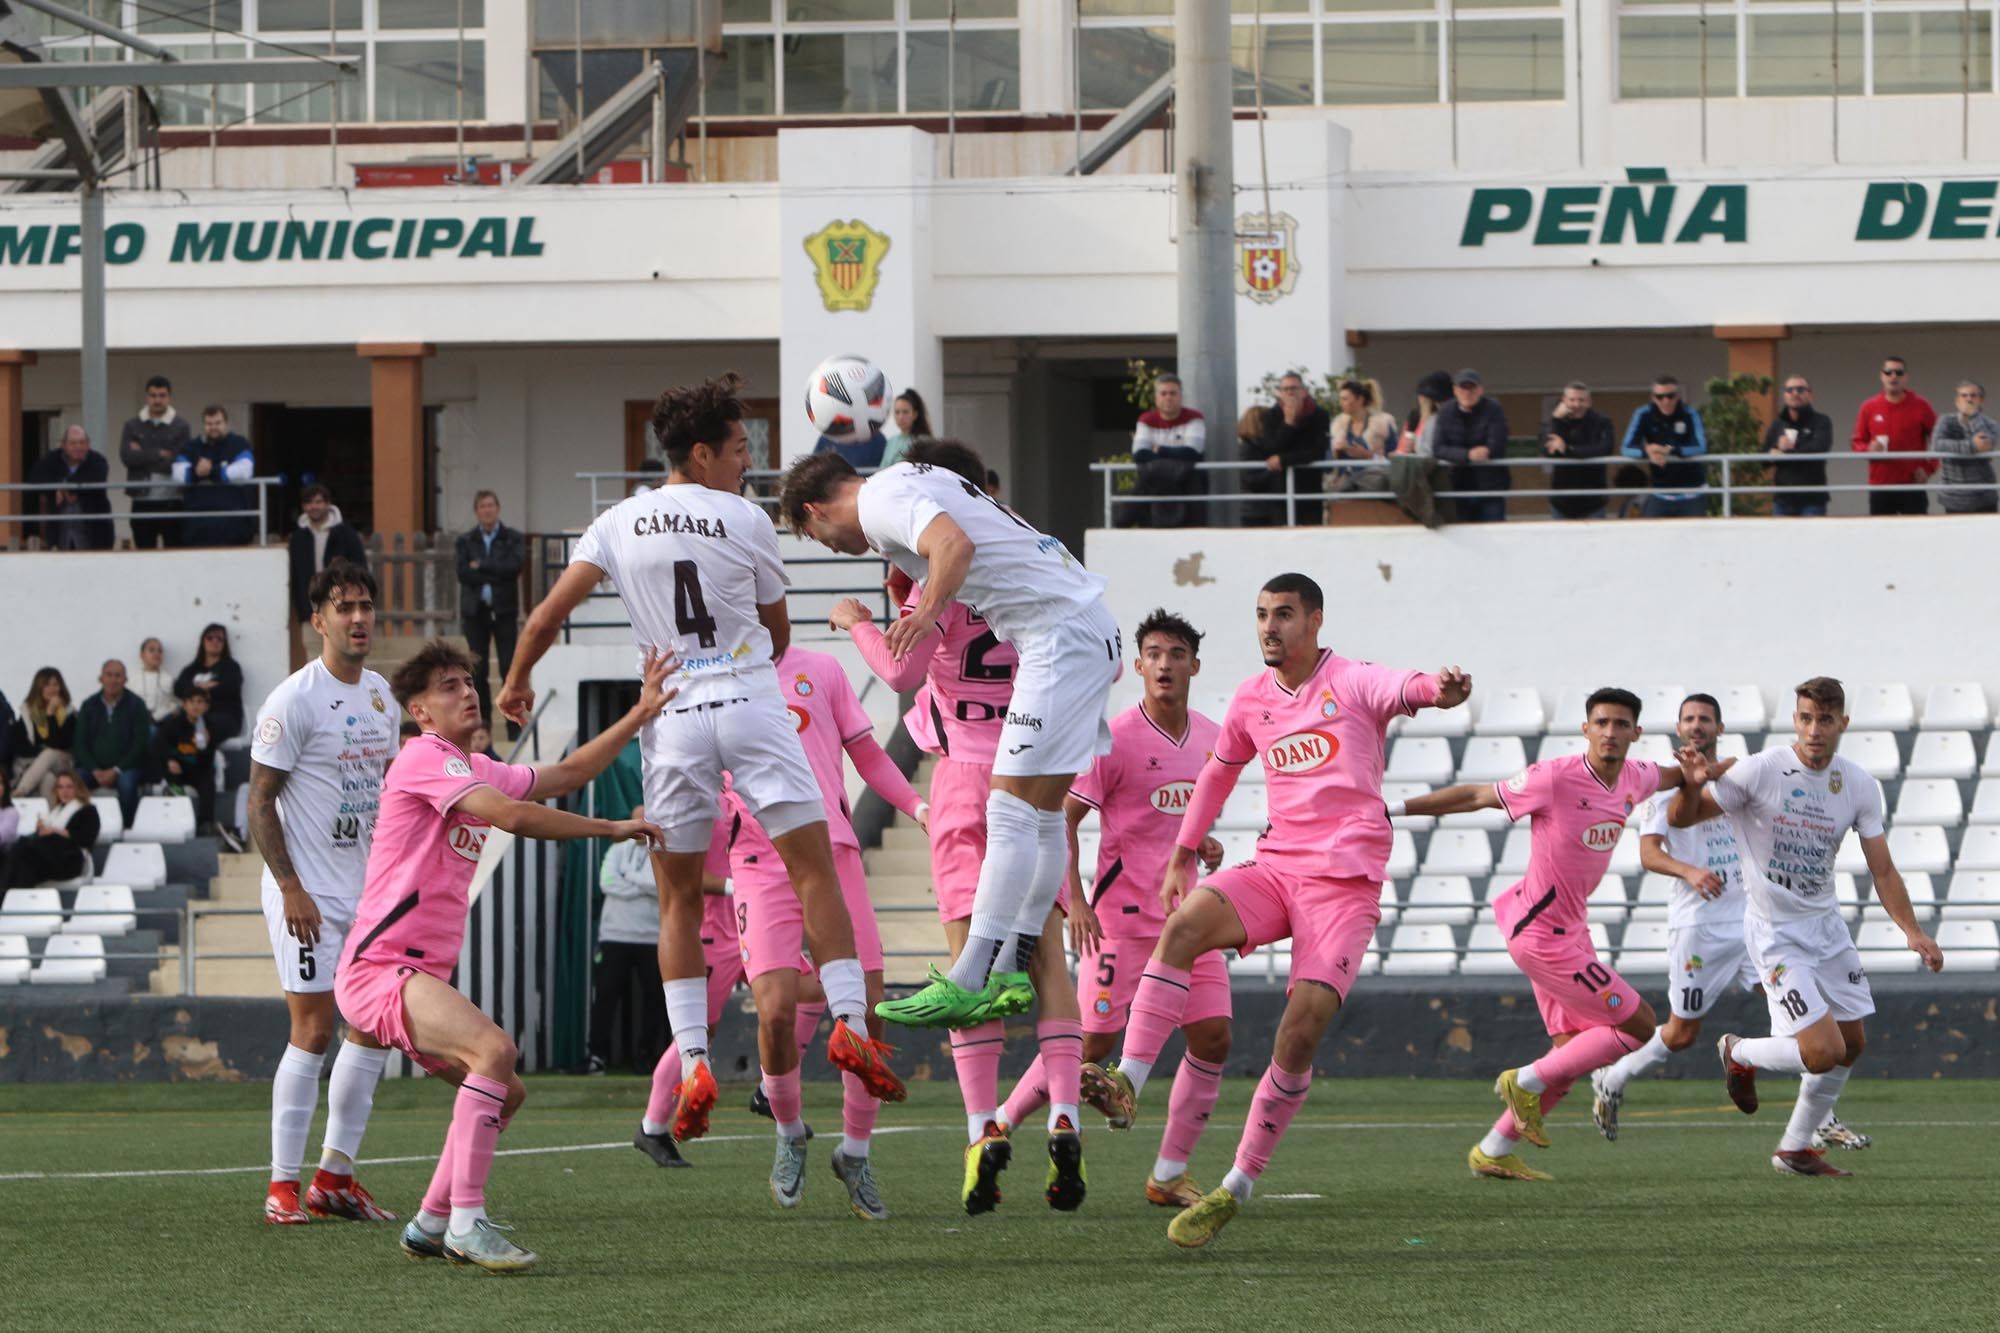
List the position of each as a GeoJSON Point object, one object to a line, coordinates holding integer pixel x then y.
{"type": "Point", "coordinates": [648, 525]}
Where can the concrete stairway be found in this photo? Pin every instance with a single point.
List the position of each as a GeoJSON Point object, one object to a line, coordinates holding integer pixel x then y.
{"type": "Point", "coordinates": [899, 882]}
{"type": "Point", "coordinates": [238, 884]}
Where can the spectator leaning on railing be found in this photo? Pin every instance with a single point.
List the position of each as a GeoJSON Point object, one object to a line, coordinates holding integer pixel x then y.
{"type": "Point", "coordinates": [1167, 442]}
{"type": "Point", "coordinates": [1573, 429]}
{"type": "Point", "coordinates": [215, 466]}
{"type": "Point", "coordinates": [1800, 438]}
{"type": "Point", "coordinates": [1668, 434]}
{"type": "Point", "coordinates": [1470, 434]}
{"type": "Point", "coordinates": [113, 734]}
{"type": "Point", "coordinates": [148, 445]}
{"type": "Point", "coordinates": [1895, 421]}
{"type": "Point", "coordinates": [74, 463]}
{"type": "Point", "coordinates": [1362, 431]}
{"type": "Point", "coordinates": [1293, 437]}
{"type": "Point", "coordinates": [1970, 433]}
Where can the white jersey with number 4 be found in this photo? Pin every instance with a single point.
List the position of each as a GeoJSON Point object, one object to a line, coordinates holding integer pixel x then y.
{"type": "Point", "coordinates": [1709, 845]}
{"type": "Point", "coordinates": [1021, 581]}
{"type": "Point", "coordinates": [693, 565]}
{"type": "Point", "coordinates": [1790, 821]}
{"type": "Point", "coordinates": [333, 741]}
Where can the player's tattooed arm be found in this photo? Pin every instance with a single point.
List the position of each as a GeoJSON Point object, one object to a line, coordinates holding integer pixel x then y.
{"type": "Point", "coordinates": [301, 913]}
{"type": "Point", "coordinates": [1457, 800]}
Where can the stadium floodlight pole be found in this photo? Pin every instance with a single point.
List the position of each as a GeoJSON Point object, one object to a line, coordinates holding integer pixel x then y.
{"type": "Point", "coordinates": [1204, 174]}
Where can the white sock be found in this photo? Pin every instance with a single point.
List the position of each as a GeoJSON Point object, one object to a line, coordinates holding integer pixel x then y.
{"type": "Point", "coordinates": [653, 1127]}
{"type": "Point", "coordinates": [1630, 1066]}
{"type": "Point", "coordinates": [1496, 1144]}
{"type": "Point", "coordinates": [846, 993]}
{"type": "Point", "coordinates": [1529, 1079]}
{"type": "Point", "coordinates": [687, 1017]}
{"type": "Point", "coordinates": [1165, 1168]}
{"type": "Point", "coordinates": [792, 1129]}
{"type": "Point", "coordinates": [430, 1223]}
{"type": "Point", "coordinates": [1136, 1070]}
{"type": "Point", "coordinates": [852, 1147]}
{"type": "Point", "coordinates": [975, 1124]}
{"type": "Point", "coordinates": [350, 1096]}
{"type": "Point", "coordinates": [1051, 868]}
{"type": "Point", "coordinates": [1006, 877]}
{"type": "Point", "coordinates": [1817, 1095]}
{"type": "Point", "coordinates": [463, 1218]}
{"type": "Point", "coordinates": [294, 1097]}
{"type": "Point", "coordinates": [1057, 1110]}
{"type": "Point", "coordinates": [1780, 1055]}
{"type": "Point", "coordinates": [1238, 1184]}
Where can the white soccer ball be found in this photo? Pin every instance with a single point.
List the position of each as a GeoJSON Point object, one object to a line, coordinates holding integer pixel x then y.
{"type": "Point", "coordinates": [847, 399]}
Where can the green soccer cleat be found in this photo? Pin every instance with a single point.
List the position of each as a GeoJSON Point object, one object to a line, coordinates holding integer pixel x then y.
{"type": "Point", "coordinates": [485, 1247]}
{"type": "Point", "coordinates": [1011, 994]}
{"type": "Point", "coordinates": [788, 1172]}
{"type": "Point", "coordinates": [1066, 1182]}
{"type": "Point", "coordinates": [984, 1161]}
{"type": "Point", "coordinates": [1526, 1106]}
{"type": "Point", "coordinates": [1510, 1167]}
{"type": "Point", "coordinates": [862, 1195]}
{"type": "Point", "coordinates": [943, 1003]}
{"type": "Point", "coordinates": [421, 1244]}
{"type": "Point", "coordinates": [1195, 1227]}
{"type": "Point", "coordinates": [1109, 1090]}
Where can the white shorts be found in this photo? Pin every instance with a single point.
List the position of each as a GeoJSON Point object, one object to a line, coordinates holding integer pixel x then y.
{"type": "Point", "coordinates": [1809, 969]}
{"type": "Point", "coordinates": [683, 755]}
{"type": "Point", "coordinates": [1702, 963]}
{"type": "Point", "coordinates": [303, 970]}
{"type": "Point", "coordinates": [1055, 721]}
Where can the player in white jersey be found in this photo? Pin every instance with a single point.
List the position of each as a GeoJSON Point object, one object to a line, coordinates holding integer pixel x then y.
{"type": "Point", "coordinates": [1705, 949]}
{"type": "Point", "coordinates": [699, 571]}
{"type": "Point", "coordinates": [322, 741]}
{"type": "Point", "coordinates": [1791, 807]}
{"type": "Point", "coordinates": [963, 545]}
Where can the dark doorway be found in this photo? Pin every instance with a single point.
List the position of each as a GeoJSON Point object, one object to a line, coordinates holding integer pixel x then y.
{"type": "Point", "coordinates": [329, 445]}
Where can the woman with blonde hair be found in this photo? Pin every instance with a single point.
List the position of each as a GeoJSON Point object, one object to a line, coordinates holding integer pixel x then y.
{"type": "Point", "coordinates": [1361, 432]}
{"type": "Point", "coordinates": [44, 735]}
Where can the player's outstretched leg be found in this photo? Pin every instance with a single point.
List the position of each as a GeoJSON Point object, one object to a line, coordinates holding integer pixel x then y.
{"type": "Point", "coordinates": [1280, 1094]}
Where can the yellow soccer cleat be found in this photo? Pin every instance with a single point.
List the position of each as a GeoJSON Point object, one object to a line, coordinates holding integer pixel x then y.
{"type": "Point", "coordinates": [1197, 1226]}
{"type": "Point", "coordinates": [1526, 1106]}
{"type": "Point", "coordinates": [1180, 1192]}
{"type": "Point", "coordinates": [984, 1161]}
{"type": "Point", "coordinates": [1510, 1167]}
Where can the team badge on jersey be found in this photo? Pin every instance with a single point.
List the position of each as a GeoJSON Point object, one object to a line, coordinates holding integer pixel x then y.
{"type": "Point", "coordinates": [802, 687]}
{"type": "Point", "coordinates": [1519, 782]}
{"type": "Point", "coordinates": [1777, 974]}
{"type": "Point", "coordinates": [1103, 1005]}
{"type": "Point", "coordinates": [1833, 782]}
{"type": "Point", "coordinates": [1327, 707]}
{"type": "Point", "coordinates": [457, 768]}
{"type": "Point", "coordinates": [1613, 1000]}
{"type": "Point", "coordinates": [375, 698]}
{"type": "Point", "coordinates": [269, 730]}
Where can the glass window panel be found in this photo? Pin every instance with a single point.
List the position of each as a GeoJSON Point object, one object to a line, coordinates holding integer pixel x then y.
{"type": "Point", "coordinates": [746, 11]}
{"type": "Point", "coordinates": [428, 13]}
{"type": "Point", "coordinates": [1249, 7]}
{"type": "Point", "coordinates": [306, 15]}
{"type": "Point", "coordinates": [1124, 8]}
{"type": "Point", "coordinates": [840, 73]}
{"type": "Point", "coordinates": [1508, 62]}
{"type": "Point", "coordinates": [1378, 6]}
{"type": "Point", "coordinates": [1120, 63]}
{"type": "Point", "coordinates": [610, 22]}
{"type": "Point", "coordinates": [419, 80]}
{"type": "Point", "coordinates": [1380, 62]}
{"type": "Point", "coordinates": [987, 76]}
{"type": "Point", "coordinates": [1663, 57]}
{"type": "Point", "coordinates": [604, 73]}
{"type": "Point", "coordinates": [1792, 55]}
{"type": "Point", "coordinates": [1463, 5]}
{"type": "Point", "coordinates": [1928, 53]}
{"type": "Point", "coordinates": [157, 16]}
{"type": "Point", "coordinates": [308, 104]}
{"type": "Point", "coordinates": [967, 9]}
{"type": "Point", "coordinates": [745, 81]}
{"type": "Point", "coordinates": [839, 11]}
{"type": "Point", "coordinates": [188, 104]}
{"type": "Point", "coordinates": [1288, 64]}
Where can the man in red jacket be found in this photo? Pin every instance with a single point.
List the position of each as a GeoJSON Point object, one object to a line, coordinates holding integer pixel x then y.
{"type": "Point", "coordinates": [1895, 421]}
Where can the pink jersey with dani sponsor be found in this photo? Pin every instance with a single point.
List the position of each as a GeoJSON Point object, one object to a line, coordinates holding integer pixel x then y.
{"type": "Point", "coordinates": [1577, 823]}
{"type": "Point", "coordinates": [1140, 791]}
{"type": "Point", "coordinates": [420, 868]}
{"type": "Point", "coordinates": [1322, 747]}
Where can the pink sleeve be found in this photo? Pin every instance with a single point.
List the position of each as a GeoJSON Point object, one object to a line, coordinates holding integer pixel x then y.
{"type": "Point", "coordinates": [1211, 789]}
{"type": "Point", "coordinates": [1096, 781]}
{"type": "Point", "coordinates": [848, 714]}
{"type": "Point", "coordinates": [1419, 690]}
{"type": "Point", "coordinates": [513, 781]}
{"type": "Point", "coordinates": [879, 771]}
{"type": "Point", "coordinates": [902, 675]}
{"type": "Point", "coordinates": [435, 774]}
{"type": "Point", "coordinates": [1232, 739]}
{"type": "Point", "coordinates": [1527, 792]}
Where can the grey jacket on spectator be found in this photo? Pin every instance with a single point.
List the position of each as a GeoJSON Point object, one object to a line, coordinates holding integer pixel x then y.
{"type": "Point", "coordinates": [148, 447]}
{"type": "Point", "coordinates": [1456, 432]}
{"type": "Point", "coordinates": [1954, 435]}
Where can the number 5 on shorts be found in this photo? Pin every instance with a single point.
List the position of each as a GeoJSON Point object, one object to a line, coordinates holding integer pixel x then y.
{"type": "Point", "coordinates": [308, 965]}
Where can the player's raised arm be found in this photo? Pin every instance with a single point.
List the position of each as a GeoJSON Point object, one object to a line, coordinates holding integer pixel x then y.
{"type": "Point", "coordinates": [516, 701]}
{"type": "Point", "coordinates": [529, 819]}
{"type": "Point", "coordinates": [886, 780]}
{"type": "Point", "coordinates": [1452, 686]}
{"type": "Point", "coordinates": [1894, 896]}
{"type": "Point", "coordinates": [586, 761]}
{"type": "Point", "coordinates": [855, 620]}
{"type": "Point", "coordinates": [1458, 800]}
{"type": "Point", "coordinates": [947, 553]}
{"type": "Point", "coordinates": [1692, 803]}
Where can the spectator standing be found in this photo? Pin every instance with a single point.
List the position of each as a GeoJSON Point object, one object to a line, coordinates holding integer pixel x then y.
{"type": "Point", "coordinates": [1573, 429]}
{"type": "Point", "coordinates": [58, 847]}
{"type": "Point", "coordinates": [1169, 439]}
{"type": "Point", "coordinates": [1668, 433]}
{"type": "Point", "coordinates": [1361, 432]}
{"type": "Point", "coordinates": [215, 672]}
{"type": "Point", "coordinates": [217, 466]}
{"type": "Point", "coordinates": [114, 733]}
{"type": "Point", "coordinates": [1969, 433]}
{"type": "Point", "coordinates": [1895, 421]}
{"type": "Point", "coordinates": [1470, 434]}
{"type": "Point", "coordinates": [1799, 437]}
{"type": "Point", "coordinates": [321, 538]}
{"type": "Point", "coordinates": [1432, 391]}
{"type": "Point", "coordinates": [43, 738]}
{"type": "Point", "coordinates": [149, 445]}
{"type": "Point", "coordinates": [74, 463]}
{"type": "Point", "coordinates": [489, 592]}
{"type": "Point", "coordinates": [912, 423]}
{"type": "Point", "coordinates": [625, 973]}
{"type": "Point", "coordinates": [1293, 435]}
{"type": "Point", "coordinates": [154, 686]}
{"type": "Point", "coordinates": [184, 754]}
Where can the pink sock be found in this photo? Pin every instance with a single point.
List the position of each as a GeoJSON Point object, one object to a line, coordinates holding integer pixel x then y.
{"type": "Point", "coordinates": [976, 1053]}
{"type": "Point", "coordinates": [667, 1073]}
{"type": "Point", "coordinates": [1157, 1006]}
{"type": "Point", "coordinates": [475, 1125]}
{"type": "Point", "coordinates": [858, 1109]}
{"type": "Point", "coordinates": [809, 1016]}
{"type": "Point", "coordinates": [787, 1102]}
{"type": "Point", "coordinates": [1592, 1049]}
{"type": "Point", "coordinates": [1278, 1098]}
{"type": "Point", "coordinates": [1188, 1108]}
{"type": "Point", "coordinates": [1029, 1095]}
{"type": "Point", "coordinates": [1062, 1064]}
{"type": "Point", "coordinates": [1508, 1126]}
{"type": "Point", "coordinates": [437, 1199]}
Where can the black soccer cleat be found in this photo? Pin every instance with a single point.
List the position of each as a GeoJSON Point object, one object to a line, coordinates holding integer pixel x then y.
{"type": "Point", "coordinates": [660, 1147]}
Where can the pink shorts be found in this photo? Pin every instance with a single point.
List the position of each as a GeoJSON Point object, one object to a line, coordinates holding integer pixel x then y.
{"type": "Point", "coordinates": [1574, 988]}
{"type": "Point", "coordinates": [958, 834]}
{"type": "Point", "coordinates": [1329, 921]}
{"type": "Point", "coordinates": [370, 997]}
{"type": "Point", "coordinates": [1108, 976]}
{"type": "Point", "coordinates": [773, 921]}
{"type": "Point", "coordinates": [722, 954]}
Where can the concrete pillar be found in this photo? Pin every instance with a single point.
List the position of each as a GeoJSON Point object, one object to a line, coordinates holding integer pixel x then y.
{"type": "Point", "coordinates": [1753, 350]}
{"type": "Point", "coordinates": [1290, 271]}
{"type": "Point", "coordinates": [396, 390]}
{"type": "Point", "coordinates": [11, 444]}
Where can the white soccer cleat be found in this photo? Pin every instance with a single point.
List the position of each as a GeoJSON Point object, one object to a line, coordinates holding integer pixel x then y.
{"type": "Point", "coordinates": [1833, 1134]}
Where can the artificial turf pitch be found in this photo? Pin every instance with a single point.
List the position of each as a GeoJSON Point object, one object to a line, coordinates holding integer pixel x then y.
{"type": "Point", "coordinates": [1367, 1219]}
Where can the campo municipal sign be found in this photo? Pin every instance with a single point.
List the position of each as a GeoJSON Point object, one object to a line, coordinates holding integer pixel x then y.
{"type": "Point", "coordinates": [252, 242]}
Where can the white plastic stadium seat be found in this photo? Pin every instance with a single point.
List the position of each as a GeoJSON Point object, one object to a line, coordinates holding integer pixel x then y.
{"type": "Point", "coordinates": [1881, 707]}
{"type": "Point", "coordinates": [1568, 716]}
{"type": "Point", "coordinates": [30, 809]}
{"type": "Point", "coordinates": [1654, 747]}
{"type": "Point", "coordinates": [1608, 902]}
{"type": "Point", "coordinates": [1492, 758]}
{"type": "Point", "coordinates": [1452, 722]}
{"type": "Point", "coordinates": [1942, 754]}
{"type": "Point", "coordinates": [1956, 706]}
{"type": "Point", "coordinates": [1600, 938]}
{"type": "Point", "coordinates": [1237, 844]}
{"type": "Point", "coordinates": [1970, 946]}
{"type": "Point", "coordinates": [1985, 802]}
{"type": "Point", "coordinates": [71, 960]}
{"type": "Point", "coordinates": [1391, 908]}
{"type": "Point", "coordinates": [35, 913]}
{"type": "Point", "coordinates": [1439, 900]}
{"type": "Point", "coordinates": [1742, 707]}
{"type": "Point", "coordinates": [1875, 751]}
{"type": "Point", "coordinates": [1660, 706]}
{"type": "Point", "coordinates": [1883, 948]}
{"type": "Point", "coordinates": [1919, 847]}
{"type": "Point", "coordinates": [1458, 852]}
{"type": "Point", "coordinates": [1393, 792]}
{"type": "Point", "coordinates": [1849, 860]}
{"type": "Point", "coordinates": [1425, 759]}
{"type": "Point", "coordinates": [1974, 896]}
{"type": "Point", "coordinates": [1511, 712]}
{"type": "Point", "coordinates": [163, 819]}
{"type": "Point", "coordinates": [1990, 764]}
{"type": "Point", "coordinates": [1515, 852]}
{"type": "Point", "coordinates": [14, 963]}
{"type": "Point", "coordinates": [1729, 745]}
{"type": "Point", "coordinates": [1486, 952]}
{"type": "Point", "coordinates": [143, 865]}
{"type": "Point", "coordinates": [110, 819]}
{"type": "Point", "coordinates": [1656, 897]}
{"type": "Point", "coordinates": [1923, 899]}
{"type": "Point", "coordinates": [1642, 951]}
{"type": "Point", "coordinates": [1402, 854]}
{"type": "Point", "coordinates": [1930, 801]}
{"type": "Point", "coordinates": [1245, 807]}
{"type": "Point", "coordinates": [1625, 856]}
{"type": "Point", "coordinates": [102, 909]}
{"type": "Point", "coordinates": [1560, 747]}
{"type": "Point", "coordinates": [1848, 895]}
{"type": "Point", "coordinates": [1421, 951]}
{"type": "Point", "coordinates": [1492, 821]}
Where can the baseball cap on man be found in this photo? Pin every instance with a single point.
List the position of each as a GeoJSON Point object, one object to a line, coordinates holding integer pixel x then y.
{"type": "Point", "coordinates": [1467, 377]}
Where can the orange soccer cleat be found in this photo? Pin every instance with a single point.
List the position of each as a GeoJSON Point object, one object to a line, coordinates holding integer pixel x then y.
{"type": "Point", "coordinates": [281, 1205]}
{"type": "Point", "coordinates": [332, 1195]}
{"type": "Point", "coordinates": [868, 1060]}
{"type": "Point", "coordinates": [694, 1098]}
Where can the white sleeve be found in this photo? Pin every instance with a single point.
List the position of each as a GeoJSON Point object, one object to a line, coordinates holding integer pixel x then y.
{"type": "Point", "coordinates": [894, 511]}
{"type": "Point", "coordinates": [281, 730]}
{"type": "Point", "coordinates": [593, 549]}
{"type": "Point", "coordinates": [765, 557]}
{"type": "Point", "coordinates": [1653, 817]}
{"type": "Point", "coordinates": [1868, 807]}
{"type": "Point", "coordinates": [1737, 790]}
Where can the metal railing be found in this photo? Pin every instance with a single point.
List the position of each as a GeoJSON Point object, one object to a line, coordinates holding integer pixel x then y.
{"type": "Point", "coordinates": [10, 522]}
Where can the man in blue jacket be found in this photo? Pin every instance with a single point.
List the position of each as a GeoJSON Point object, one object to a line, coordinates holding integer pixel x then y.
{"type": "Point", "coordinates": [1668, 434]}
{"type": "Point", "coordinates": [214, 465]}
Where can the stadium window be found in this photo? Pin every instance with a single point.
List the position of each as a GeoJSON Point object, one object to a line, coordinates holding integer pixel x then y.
{"type": "Point", "coordinates": [865, 57]}
{"type": "Point", "coordinates": [188, 104]}
{"type": "Point", "coordinates": [307, 15]}
{"type": "Point", "coordinates": [1117, 64]}
{"type": "Point", "coordinates": [1947, 52]}
{"type": "Point", "coordinates": [840, 11]}
{"type": "Point", "coordinates": [941, 10]}
{"type": "Point", "coordinates": [986, 69]}
{"type": "Point", "coordinates": [429, 13]}
{"type": "Point", "coordinates": [1288, 63]}
{"type": "Point", "coordinates": [1666, 56]}
{"type": "Point", "coordinates": [840, 73]}
{"type": "Point", "coordinates": [1520, 61]}
{"type": "Point", "coordinates": [310, 103]}
{"type": "Point", "coordinates": [1794, 55]}
{"type": "Point", "coordinates": [157, 17]}
{"type": "Point", "coordinates": [419, 80]}
{"type": "Point", "coordinates": [745, 81]}
{"type": "Point", "coordinates": [1365, 63]}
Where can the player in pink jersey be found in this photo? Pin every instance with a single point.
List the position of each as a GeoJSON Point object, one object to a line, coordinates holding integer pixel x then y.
{"type": "Point", "coordinates": [394, 982]}
{"type": "Point", "coordinates": [1317, 722]}
{"type": "Point", "coordinates": [1579, 805]}
{"type": "Point", "coordinates": [1139, 791]}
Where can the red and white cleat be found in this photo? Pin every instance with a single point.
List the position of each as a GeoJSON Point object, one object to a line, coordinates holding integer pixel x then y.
{"type": "Point", "coordinates": [281, 1205]}
{"type": "Point", "coordinates": [1804, 1162]}
{"type": "Point", "coordinates": [344, 1196]}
